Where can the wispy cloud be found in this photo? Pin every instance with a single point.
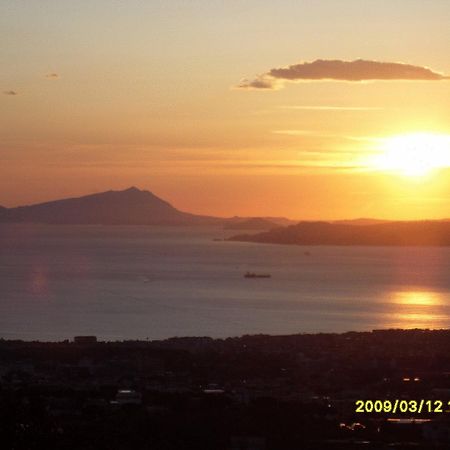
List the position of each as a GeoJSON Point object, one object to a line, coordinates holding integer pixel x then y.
{"type": "Point", "coordinates": [353, 71]}
{"type": "Point", "coordinates": [320, 135]}
{"type": "Point", "coordinates": [10, 92]}
{"type": "Point", "coordinates": [331, 108]}
{"type": "Point", "coordinates": [295, 132]}
{"type": "Point", "coordinates": [260, 82]}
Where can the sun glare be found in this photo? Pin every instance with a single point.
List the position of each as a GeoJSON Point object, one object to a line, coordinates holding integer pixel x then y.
{"type": "Point", "coordinates": [413, 155]}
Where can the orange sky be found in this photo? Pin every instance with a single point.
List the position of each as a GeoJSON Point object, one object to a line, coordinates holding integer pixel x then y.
{"type": "Point", "coordinates": [104, 95]}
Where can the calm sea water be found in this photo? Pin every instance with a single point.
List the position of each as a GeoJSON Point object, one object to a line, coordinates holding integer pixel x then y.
{"type": "Point", "coordinates": [145, 282]}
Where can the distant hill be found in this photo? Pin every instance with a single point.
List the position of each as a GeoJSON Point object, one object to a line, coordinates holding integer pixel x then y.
{"type": "Point", "coordinates": [140, 207]}
{"type": "Point", "coordinates": [3, 212]}
{"type": "Point", "coordinates": [277, 221]}
{"type": "Point", "coordinates": [361, 221]}
{"type": "Point", "coordinates": [128, 207]}
{"type": "Point", "coordinates": [254, 223]}
{"type": "Point", "coordinates": [436, 233]}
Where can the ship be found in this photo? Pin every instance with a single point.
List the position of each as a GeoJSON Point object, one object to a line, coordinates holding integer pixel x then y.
{"type": "Point", "coordinates": [256, 275]}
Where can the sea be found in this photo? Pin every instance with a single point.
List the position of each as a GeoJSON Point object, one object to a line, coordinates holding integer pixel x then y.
{"type": "Point", "coordinates": [133, 282]}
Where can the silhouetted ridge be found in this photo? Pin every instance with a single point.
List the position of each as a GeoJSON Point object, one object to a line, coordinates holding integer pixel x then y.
{"type": "Point", "coordinates": [128, 207]}
{"type": "Point", "coordinates": [253, 223]}
{"type": "Point", "coordinates": [324, 233]}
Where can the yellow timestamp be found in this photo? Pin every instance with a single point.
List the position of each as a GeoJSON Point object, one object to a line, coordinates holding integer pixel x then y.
{"type": "Point", "coordinates": [402, 406]}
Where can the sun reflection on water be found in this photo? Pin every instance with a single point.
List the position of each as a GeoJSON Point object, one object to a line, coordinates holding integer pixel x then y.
{"type": "Point", "coordinates": [418, 309]}
{"type": "Point", "coordinates": [425, 298]}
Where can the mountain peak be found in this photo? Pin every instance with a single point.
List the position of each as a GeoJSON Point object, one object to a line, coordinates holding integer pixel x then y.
{"type": "Point", "coordinates": [132, 189]}
{"type": "Point", "coordinates": [131, 206]}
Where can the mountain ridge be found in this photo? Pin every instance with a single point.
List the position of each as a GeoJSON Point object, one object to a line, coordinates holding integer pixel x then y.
{"type": "Point", "coordinates": [131, 206]}
{"type": "Point", "coordinates": [405, 233]}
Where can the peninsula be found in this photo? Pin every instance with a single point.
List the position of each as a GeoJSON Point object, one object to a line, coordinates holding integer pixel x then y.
{"type": "Point", "coordinates": [414, 233]}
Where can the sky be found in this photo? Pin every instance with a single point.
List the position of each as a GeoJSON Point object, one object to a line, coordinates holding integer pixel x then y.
{"type": "Point", "coordinates": [325, 109]}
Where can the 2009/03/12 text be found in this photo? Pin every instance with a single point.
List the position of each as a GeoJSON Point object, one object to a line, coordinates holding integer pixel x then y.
{"type": "Point", "coordinates": [402, 406]}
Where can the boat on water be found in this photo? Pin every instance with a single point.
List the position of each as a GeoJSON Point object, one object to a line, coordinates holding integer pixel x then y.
{"type": "Point", "coordinates": [256, 275]}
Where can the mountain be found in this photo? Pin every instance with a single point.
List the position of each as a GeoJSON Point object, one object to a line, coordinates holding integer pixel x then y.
{"type": "Point", "coordinates": [436, 233]}
{"type": "Point", "coordinates": [128, 207]}
{"type": "Point", "coordinates": [254, 223]}
{"type": "Point", "coordinates": [275, 221]}
{"type": "Point", "coordinates": [3, 212]}
{"type": "Point", "coordinates": [361, 221]}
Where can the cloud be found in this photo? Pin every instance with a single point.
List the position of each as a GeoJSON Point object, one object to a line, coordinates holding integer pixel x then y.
{"type": "Point", "coordinates": [260, 82]}
{"type": "Point", "coordinates": [298, 132]}
{"type": "Point", "coordinates": [10, 92]}
{"type": "Point", "coordinates": [358, 70]}
{"type": "Point", "coordinates": [52, 76]}
{"type": "Point", "coordinates": [320, 135]}
{"type": "Point", "coordinates": [331, 108]}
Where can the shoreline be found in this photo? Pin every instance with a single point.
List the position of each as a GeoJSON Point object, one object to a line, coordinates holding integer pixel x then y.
{"type": "Point", "coordinates": [213, 340]}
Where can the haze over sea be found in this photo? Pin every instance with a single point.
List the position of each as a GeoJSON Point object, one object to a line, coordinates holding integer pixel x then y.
{"type": "Point", "coordinates": [151, 282]}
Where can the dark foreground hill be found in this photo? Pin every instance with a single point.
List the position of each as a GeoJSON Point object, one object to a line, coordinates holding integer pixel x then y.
{"type": "Point", "coordinates": [129, 207]}
{"type": "Point", "coordinates": [258, 392]}
{"type": "Point", "coordinates": [436, 233]}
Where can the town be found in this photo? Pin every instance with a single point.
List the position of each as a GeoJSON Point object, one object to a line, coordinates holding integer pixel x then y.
{"type": "Point", "coordinates": [253, 392]}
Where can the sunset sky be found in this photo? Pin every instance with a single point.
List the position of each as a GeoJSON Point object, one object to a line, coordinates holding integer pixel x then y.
{"type": "Point", "coordinates": [230, 107]}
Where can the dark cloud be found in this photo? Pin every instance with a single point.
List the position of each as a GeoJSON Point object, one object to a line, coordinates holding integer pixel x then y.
{"type": "Point", "coordinates": [358, 70]}
{"type": "Point", "coordinates": [10, 92]}
{"type": "Point", "coordinates": [52, 76]}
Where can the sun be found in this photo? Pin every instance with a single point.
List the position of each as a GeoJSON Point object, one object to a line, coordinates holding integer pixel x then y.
{"type": "Point", "coordinates": [413, 155]}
